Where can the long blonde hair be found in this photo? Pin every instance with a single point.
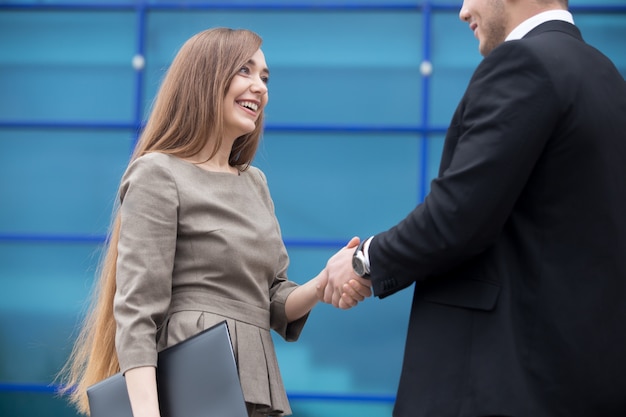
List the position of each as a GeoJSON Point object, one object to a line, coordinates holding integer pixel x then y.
{"type": "Point", "coordinates": [187, 112]}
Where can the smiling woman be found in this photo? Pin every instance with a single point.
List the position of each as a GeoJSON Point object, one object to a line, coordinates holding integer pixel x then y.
{"type": "Point", "coordinates": [195, 239]}
{"type": "Point", "coordinates": [246, 98]}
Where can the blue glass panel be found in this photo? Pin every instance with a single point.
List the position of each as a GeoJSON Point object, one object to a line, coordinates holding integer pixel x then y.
{"type": "Point", "coordinates": [66, 66]}
{"type": "Point", "coordinates": [319, 180]}
{"type": "Point", "coordinates": [59, 181]}
{"type": "Point", "coordinates": [14, 404]}
{"type": "Point", "coordinates": [86, 93]}
{"type": "Point", "coordinates": [45, 289]}
{"type": "Point", "coordinates": [455, 56]}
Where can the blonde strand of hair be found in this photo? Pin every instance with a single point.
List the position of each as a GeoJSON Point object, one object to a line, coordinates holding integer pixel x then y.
{"type": "Point", "coordinates": [94, 357]}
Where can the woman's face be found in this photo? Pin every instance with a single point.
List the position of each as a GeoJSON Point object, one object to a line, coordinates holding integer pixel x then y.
{"type": "Point", "coordinates": [246, 97]}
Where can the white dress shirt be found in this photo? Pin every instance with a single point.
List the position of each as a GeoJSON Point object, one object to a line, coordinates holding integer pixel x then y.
{"type": "Point", "coordinates": [529, 24]}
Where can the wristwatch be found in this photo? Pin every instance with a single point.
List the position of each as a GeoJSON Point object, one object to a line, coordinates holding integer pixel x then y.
{"type": "Point", "coordinates": [359, 263]}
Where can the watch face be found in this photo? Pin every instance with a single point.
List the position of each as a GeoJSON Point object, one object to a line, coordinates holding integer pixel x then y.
{"type": "Point", "coordinates": [357, 265]}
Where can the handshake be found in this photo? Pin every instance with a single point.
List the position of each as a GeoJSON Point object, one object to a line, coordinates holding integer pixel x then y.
{"type": "Point", "coordinates": [338, 284]}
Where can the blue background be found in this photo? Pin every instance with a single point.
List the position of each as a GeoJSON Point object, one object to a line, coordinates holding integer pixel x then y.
{"type": "Point", "coordinates": [354, 134]}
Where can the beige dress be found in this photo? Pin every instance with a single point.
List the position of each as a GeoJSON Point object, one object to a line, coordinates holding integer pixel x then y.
{"type": "Point", "coordinates": [195, 248]}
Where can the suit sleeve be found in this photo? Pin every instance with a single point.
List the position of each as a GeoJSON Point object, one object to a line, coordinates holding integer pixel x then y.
{"type": "Point", "coordinates": [495, 139]}
{"type": "Point", "coordinates": [147, 242]}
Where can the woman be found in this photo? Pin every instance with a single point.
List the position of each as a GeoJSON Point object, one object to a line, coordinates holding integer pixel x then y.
{"type": "Point", "coordinates": [195, 239]}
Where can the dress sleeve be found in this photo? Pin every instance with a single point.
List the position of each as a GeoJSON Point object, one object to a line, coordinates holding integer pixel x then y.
{"type": "Point", "coordinates": [281, 286]}
{"type": "Point", "coordinates": [146, 248]}
{"type": "Point", "coordinates": [279, 291]}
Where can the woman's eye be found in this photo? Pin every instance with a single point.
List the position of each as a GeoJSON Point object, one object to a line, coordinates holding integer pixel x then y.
{"type": "Point", "coordinates": [265, 80]}
{"type": "Point", "coordinates": [244, 70]}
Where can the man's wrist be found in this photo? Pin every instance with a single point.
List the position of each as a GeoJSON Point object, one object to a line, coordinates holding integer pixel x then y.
{"type": "Point", "coordinates": [360, 259]}
{"type": "Point", "coordinates": [366, 252]}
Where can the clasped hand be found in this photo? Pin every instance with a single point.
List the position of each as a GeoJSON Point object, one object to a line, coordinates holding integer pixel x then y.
{"type": "Point", "coordinates": [338, 284]}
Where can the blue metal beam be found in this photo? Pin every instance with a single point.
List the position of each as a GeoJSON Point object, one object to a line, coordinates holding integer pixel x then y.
{"type": "Point", "coordinates": [27, 387]}
{"type": "Point", "coordinates": [50, 125]}
{"type": "Point", "coordinates": [312, 396]}
{"type": "Point", "coordinates": [100, 239]}
{"type": "Point", "coordinates": [50, 238]}
{"type": "Point", "coordinates": [362, 398]}
{"type": "Point", "coordinates": [224, 5]}
{"type": "Point", "coordinates": [426, 60]}
{"type": "Point", "coordinates": [277, 127]}
{"type": "Point", "coordinates": [303, 6]}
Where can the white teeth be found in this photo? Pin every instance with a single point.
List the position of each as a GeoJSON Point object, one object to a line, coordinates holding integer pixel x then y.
{"type": "Point", "coordinates": [249, 104]}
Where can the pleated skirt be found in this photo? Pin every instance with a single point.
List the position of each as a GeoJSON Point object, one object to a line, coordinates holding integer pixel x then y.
{"type": "Point", "coordinates": [260, 377]}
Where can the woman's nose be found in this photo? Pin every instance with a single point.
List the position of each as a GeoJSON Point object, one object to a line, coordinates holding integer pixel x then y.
{"type": "Point", "coordinates": [258, 86]}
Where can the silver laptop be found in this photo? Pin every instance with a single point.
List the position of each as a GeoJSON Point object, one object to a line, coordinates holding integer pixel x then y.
{"type": "Point", "coordinates": [196, 378]}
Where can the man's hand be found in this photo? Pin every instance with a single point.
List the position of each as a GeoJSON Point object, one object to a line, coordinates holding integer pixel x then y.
{"type": "Point", "coordinates": [345, 289]}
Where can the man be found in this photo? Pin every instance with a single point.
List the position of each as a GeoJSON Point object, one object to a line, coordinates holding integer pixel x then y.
{"type": "Point", "coordinates": [518, 253]}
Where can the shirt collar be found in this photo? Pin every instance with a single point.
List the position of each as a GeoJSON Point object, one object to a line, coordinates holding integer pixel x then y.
{"type": "Point", "coordinates": [529, 24]}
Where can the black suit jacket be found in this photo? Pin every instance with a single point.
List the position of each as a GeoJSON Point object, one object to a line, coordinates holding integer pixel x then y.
{"type": "Point", "coordinates": [518, 253]}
